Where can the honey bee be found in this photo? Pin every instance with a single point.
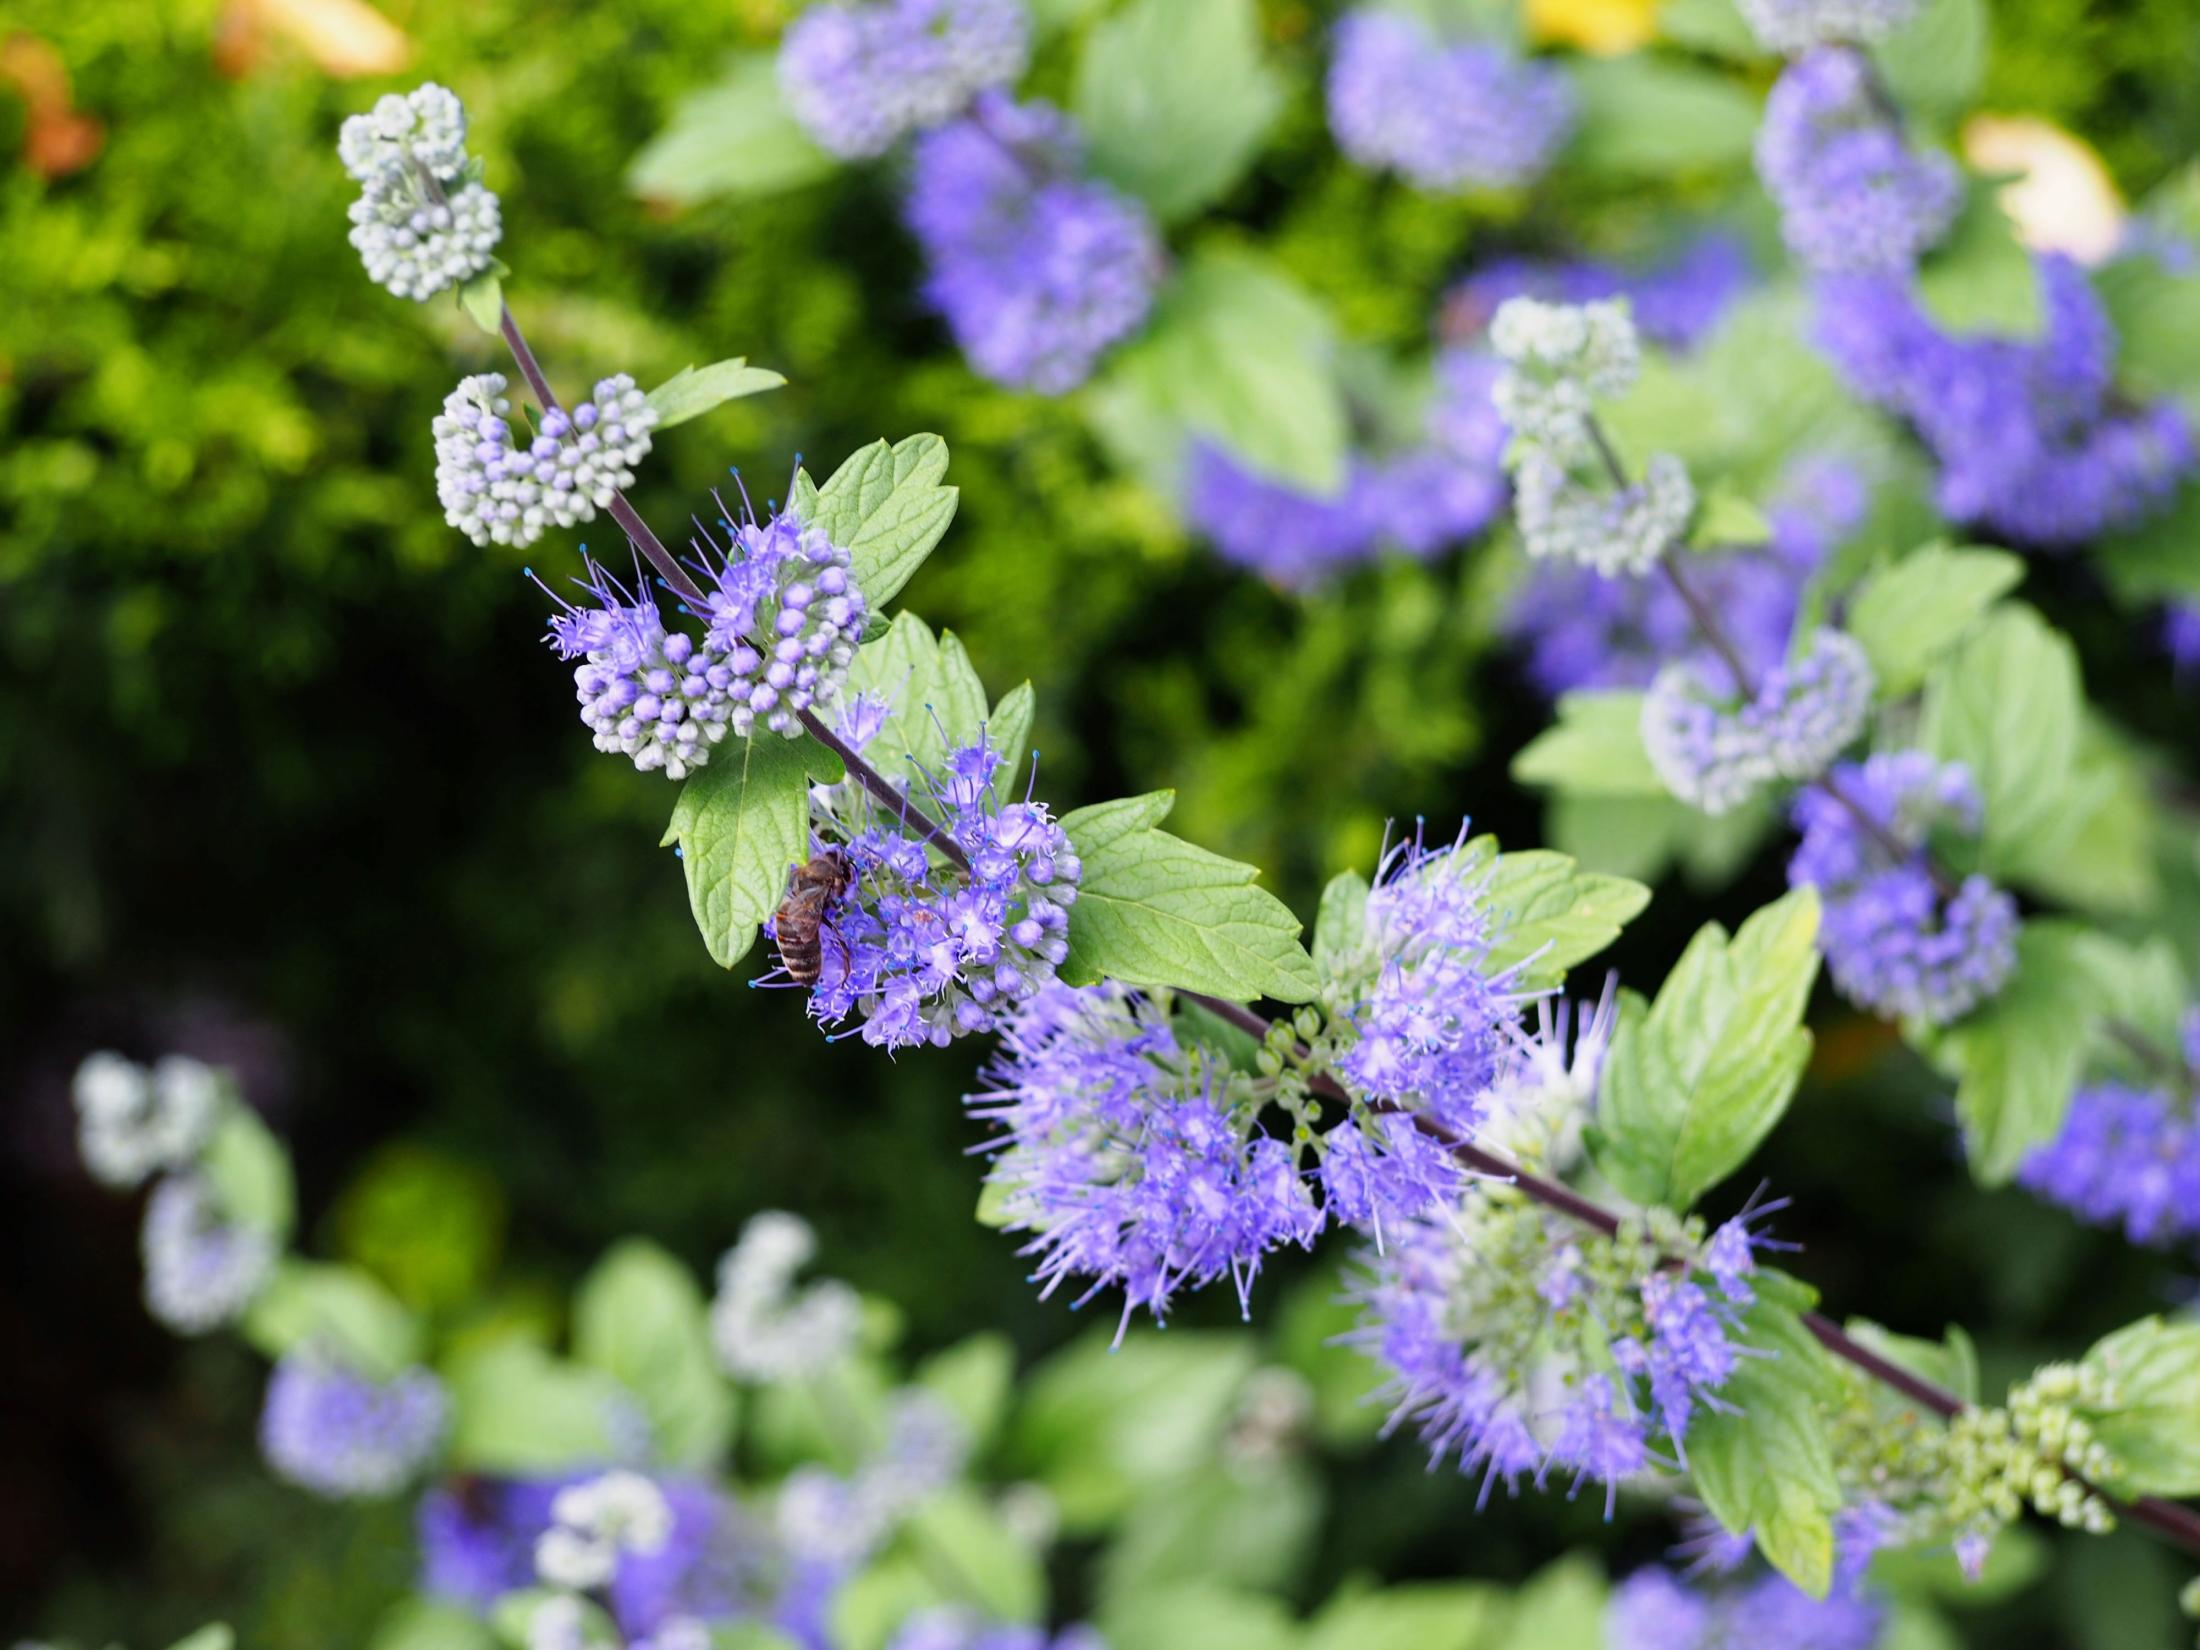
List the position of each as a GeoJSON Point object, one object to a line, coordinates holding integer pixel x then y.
{"type": "Point", "coordinates": [811, 890]}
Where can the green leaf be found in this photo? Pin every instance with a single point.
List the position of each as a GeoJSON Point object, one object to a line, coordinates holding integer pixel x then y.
{"type": "Point", "coordinates": [1425, 1616]}
{"type": "Point", "coordinates": [2007, 704]}
{"type": "Point", "coordinates": [639, 1316]}
{"type": "Point", "coordinates": [1154, 910]}
{"type": "Point", "coordinates": [868, 1611]}
{"type": "Point", "coordinates": [1936, 62]}
{"type": "Point", "coordinates": [1762, 1460]}
{"type": "Point", "coordinates": [1100, 1424]}
{"type": "Point", "coordinates": [1727, 517]}
{"type": "Point", "coordinates": [2095, 852]}
{"type": "Point", "coordinates": [1548, 914]}
{"type": "Point", "coordinates": [1644, 116]}
{"type": "Point", "coordinates": [2151, 1421]}
{"type": "Point", "coordinates": [734, 138]}
{"type": "Point", "coordinates": [1198, 1616]}
{"type": "Point", "coordinates": [935, 697]}
{"type": "Point", "coordinates": [1008, 726]}
{"type": "Point", "coordinates": [2019, 1056]}
{"type": "Point", "coordinates": [1951, 1363]}
{"type": "Point", "coordinates": [1594, 749]}
{"type": "Point", "coordinates": [518, 1410]}
{"type": "Point", "coordinates": [1340, 925]}
{"type": "Point", "coordinates": [1694, 1083]}
{"type": "Point", "coordinates": [1239, 355]}
{"type": "Point", "coordinates": [513, 1617]}
{"type": "Point", "coordinates": [1250, 1526]}
{"type": "Point", "coordinates": [1174, 99]}
{"type": "Point", "coordinates": [1981, 279]}
{"type": "Point", "coordinates": [742, 821]}
{"type": "Point", "coordinates": [2017, 1559]}
{"type": "Point", "coordinates": [340, 1309]}
{"type": "Point", "coordinates": [975, 1378]}
{"type": "Point", "coordinates": [250, 1173]}
{"type": "Point", "coordinates": [1713, 27]}
{"type": "Point", "coordinates": [887, 508]}
{"type": "Point", "coordinates": [428, 1624]}
{"type": "Point", "coordinates": [1909, 613]}
{"type": "Point", "coordinates": [2156, 313]}
{"type": "Point", "coordinates": [1561, 1608]}
{"type": "Point", "coordinates": [693, 391]}
{"type": "Point", "coordinates": [482, 298]}
{"type": "Point", "coordinates": [213, 1636]}
{"type": "Point", "coordinates": [961, 1532]}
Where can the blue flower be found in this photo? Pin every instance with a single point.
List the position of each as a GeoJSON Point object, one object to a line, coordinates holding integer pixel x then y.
{"type": "Point", "coordinates": [1446, 115]}
{"type": "Point", "coordinates": [336, 1432]}
{"type": "Point", "coordinates": [2128, 1156]}
{"type": "Point", "coordinates": [1852, 194]}
{"type": "Point", "coordinates": [1897, 942]}
{"type": "Point", "coordinates": [1715, 749]}
{"type": "Point", "coordinates": [1036, 267]}
{"type": "Point", "coordinates": [859, 78]}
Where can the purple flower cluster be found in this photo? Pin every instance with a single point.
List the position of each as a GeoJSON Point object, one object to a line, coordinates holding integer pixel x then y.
{"type": "Point", "coordinates": [478, 1536]}
{"type": "Point", "coordinates": [1590, 1372]}
{"type": "Point", "coordinates": [1898, 941]}
{"type": "Point", "coordinates": [1852, 194]}
{"type": "Point", "coordinates": [1439, 492]}
{"type": "Point", "coordinates": [860, 77]}
{"type": "Point", "coordinates": [1654, 1609]}
{"type": "Point", "coordinates": [925, 953]}
{"type": "Point", "coordinates": [2181, 636]}
{"type": "Point", "coordinates": [336, 1432]}
{"type": "Point", "coordinates": [1444, 114]}
{"type": "Point", "coordinates": [783, 618]}
{"type": "Point", "coordinates": [2129, 1156]}
{"type": "Point", "coordinates": [1036, 267]}
{"type": "Point", "coordinates": [202, 1269]}
{"type": "Point", "coordinates": [1584, 630]}
{"type": "Point", "coordinates": [1714, 747]}
{"type": "Point", "coordinates": [1676, 302]}
{"type": "Point", "coordinates": [2030, 436]}
{"type": "Point", "coordinates": [1125, 1153]}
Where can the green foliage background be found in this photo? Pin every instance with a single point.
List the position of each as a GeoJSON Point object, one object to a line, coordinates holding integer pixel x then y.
{"type": "Point", "coordinates": [285, 778]}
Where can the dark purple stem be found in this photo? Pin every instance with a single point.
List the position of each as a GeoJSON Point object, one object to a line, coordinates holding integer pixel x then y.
{"type": "Point", "coordinates": [2180, 1524]}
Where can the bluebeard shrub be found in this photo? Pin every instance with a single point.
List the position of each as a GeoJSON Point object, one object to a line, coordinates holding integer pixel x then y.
{"type": "Point", "coordinates": [1675, 302]}
{"type": "Point", "coordinates": [2129, 1155]}
{"type": "Point", "coordinates": [1797, 25]}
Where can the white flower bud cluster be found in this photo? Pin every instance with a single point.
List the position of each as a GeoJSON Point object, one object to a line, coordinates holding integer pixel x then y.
{"type": "Point", "coordinates": [423, 222]}
{"type": "Point", "coordinates": [1614, 530]}
{"type": "Point", "coordinates": [496, 492]}
{"type": "Point", "coordinates": [842, 1521]}
{"type": "Point", "coordinates": [593, 1522]}
{"type": "Point", "coordinates": [132, 1122]}
{"type": "Point", "coordinates": [763, 1330]}
{"type": "Point", "coordinates": [1791, 26]}
{"type": "Point", "coordinates": [201, 1270]}
{"type": "Point", "coordinates": [1563, 359]}
{"type": "Point", "coordinates": [1713, 749]}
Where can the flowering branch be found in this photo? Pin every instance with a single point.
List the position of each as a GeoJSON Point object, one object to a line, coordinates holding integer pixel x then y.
{"type": "Point", "coordinates": [2177, 1523]}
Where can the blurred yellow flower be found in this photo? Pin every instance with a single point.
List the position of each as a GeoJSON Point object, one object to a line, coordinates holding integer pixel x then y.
{"type": "Point", "coordinates": [1604, 27]}
{"type": "Point", "coordinates": [2063, 199]}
